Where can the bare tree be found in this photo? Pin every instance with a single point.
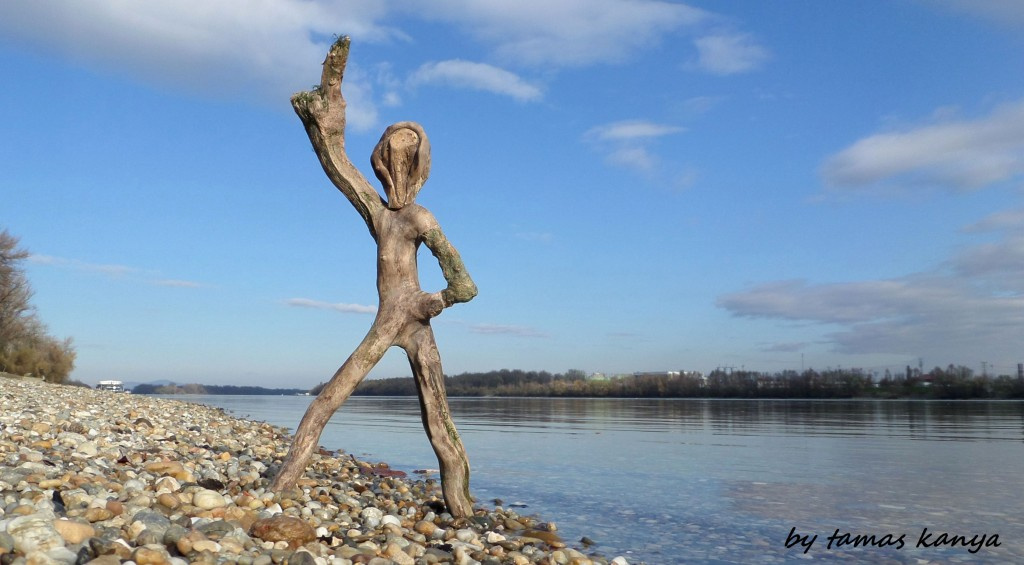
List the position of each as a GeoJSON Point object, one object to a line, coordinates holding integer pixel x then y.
{"type": "Point", "coordinates": [25, 346]}
{"type": "Point", "coordinates": [16, 312]}
{"type": "Point", "coordinates": [401, 162]}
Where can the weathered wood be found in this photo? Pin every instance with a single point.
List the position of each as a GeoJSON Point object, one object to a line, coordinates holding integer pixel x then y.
{"type": "Point", "coordinates": [401, 162]}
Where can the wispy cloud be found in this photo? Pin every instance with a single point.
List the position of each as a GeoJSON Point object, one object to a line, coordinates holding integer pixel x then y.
{"type": "Point", "coordinates": [952, 154]}
{"type": "Point", "coordinates": [565, 32]}
{"type": "Point", "coordinates": [177, 283]}
{"type": "Point", "coordinates": [476, 76]}
{"type": "Point", "coordinates": [1009, 13]}
{"type": "Point", "coordinates": [1006, 220]}
{"type": "Point", "coordinates": [109, 270]}
{"type": "Point", "coordinates": [501, 329]}
{"type": "Point", "coordinates": [631, 130]}
{"type": "Point", "coordinates": [342, 307]}
{"type": "Point", "coordinates": [628, 143]}
{"type": "Point", "coordinates": [967, 308]}
{"type": "Point", "coordinates": [729, 53]}
{"type": "Point", "coordinates": [112, 271]}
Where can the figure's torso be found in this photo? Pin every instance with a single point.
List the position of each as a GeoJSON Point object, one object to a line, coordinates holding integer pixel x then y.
{"type": "Point", "coordinates": [398, 238]}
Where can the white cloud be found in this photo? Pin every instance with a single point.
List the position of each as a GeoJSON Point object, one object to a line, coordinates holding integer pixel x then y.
{"type": "Point", "coordinates": [103, 269]}
{"type": "Point", "coordinates": [263, 51]}
{"type": "Point", "coordinates": [729, 53]}
{"type": "Point", "coordinates": [964, 154]}
{"type": "Point", "coordinates": [477, 76]}
{"type": "Point", "coordinates": [637, 158]}
{"type": "Point", "coordinates": [259, 51]}
{"type": "Point", "coordinates": [627, 143]}
{"type": "Point", "coordinates": [631, 130]}
{"type": "Point", "coordinates": [565, 32]}
{"type": "Point", "coordinates": [337, 307]}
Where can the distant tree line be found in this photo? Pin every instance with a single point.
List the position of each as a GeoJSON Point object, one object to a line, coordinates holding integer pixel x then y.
{"type": "Point", "coordinates": [954, 382]}
{"type": "Point", "coordinates": [25, 346]}
{"type": "Point", "coordinates": [195, 388]}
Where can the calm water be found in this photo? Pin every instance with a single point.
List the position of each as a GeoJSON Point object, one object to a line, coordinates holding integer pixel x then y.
{"type": "Point", "coordinates": [719, 481]}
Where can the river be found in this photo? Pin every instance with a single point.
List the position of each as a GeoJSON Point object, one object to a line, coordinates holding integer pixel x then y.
{"type": "Point", "coordinates": [722, 481]}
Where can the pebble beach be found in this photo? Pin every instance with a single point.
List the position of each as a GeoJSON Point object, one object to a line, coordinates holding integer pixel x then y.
{"type": "Point", "coordinates": [90, 476]}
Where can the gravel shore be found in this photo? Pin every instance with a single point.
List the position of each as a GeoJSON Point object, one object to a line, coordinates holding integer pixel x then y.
{"type": "Point", "coordinates": [89, 476]}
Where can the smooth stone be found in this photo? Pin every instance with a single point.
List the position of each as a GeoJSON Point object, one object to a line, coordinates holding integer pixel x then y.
{"type": "Point", "coordinates": [150, 520]}
{"type": "Point", "coordinates": [148, 537]}
{"type": "Point", "coordinates": [74, 532]}
{"type": "Point", "coordinates": [98, 514]}
{"type": "Point", "coordinates": [426, 528]}
{"type": "Point", "coordinates": [34, 532]}
{"type": "Point", "coordinates": [206, 545]}
{"type": "Point", "coordinates": [152, 554]}
{"type": "Point", "coordinates": [6, 542]}
{"type": "Point", "coordinates": [301, 558]}
{"type": "Point", "coordinates": [467, 536]}
{"type": "Point", "coordinates": [371, 516]}
{"type": "Point", "coordinates": [169, 500]}
{"type": "Point", "coordinates": [87, 449]}
{"type": "Point", "coordinates": [398, 555]}
{"type": "Point", "coordinates": [216, 530]}
{"type": "Point", "coordinates": [208, 499]}
{"type": "Point", "coordinates": [173, 533]}
{"type": "Point", "coordinates": [294, 531]}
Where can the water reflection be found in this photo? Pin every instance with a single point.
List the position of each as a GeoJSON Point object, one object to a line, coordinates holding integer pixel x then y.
{"type": "Point", "coordinates": [923, 420]}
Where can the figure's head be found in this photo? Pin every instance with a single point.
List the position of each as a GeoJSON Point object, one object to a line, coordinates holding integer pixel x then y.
{"type": "Point", "coordinates": [401, 161]}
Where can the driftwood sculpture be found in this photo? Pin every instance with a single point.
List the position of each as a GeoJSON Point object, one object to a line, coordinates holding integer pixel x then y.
{"type": "Point", "coordinates": [401, 161]}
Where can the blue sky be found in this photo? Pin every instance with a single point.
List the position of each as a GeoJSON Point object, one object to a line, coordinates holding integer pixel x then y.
{"type": "Point", "coordinates": [634, 185]}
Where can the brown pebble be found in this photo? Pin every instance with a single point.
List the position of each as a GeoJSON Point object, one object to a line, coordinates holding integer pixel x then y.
{"type": "Point", "coordinates": [73, 532]}
{"type": "Point", "coordinates": [115, 507]}
{"type": "Point", "coordinates": [151, 555]}
{"type": "Point", "coordinates": [289, 529]}
{"type": "Point", "coordinates": [98, 514]}
{"type": "Point", "coordinates": [424, 527]}
{"type": "Point", "coordinates": [169, 500]}
{"type": "Point", "coordinates": [105, 560]}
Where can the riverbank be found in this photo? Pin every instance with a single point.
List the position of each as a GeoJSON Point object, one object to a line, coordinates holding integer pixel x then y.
{"type": "Point", "coordinates": [89, 475]}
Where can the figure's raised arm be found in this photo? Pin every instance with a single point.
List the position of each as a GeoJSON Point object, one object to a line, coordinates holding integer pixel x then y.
{"type": "Point", "coordinates": [322, 111]}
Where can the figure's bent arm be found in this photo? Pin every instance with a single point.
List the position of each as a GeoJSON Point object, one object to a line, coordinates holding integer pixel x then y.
{"type": "Point", "coordinates": [322, 111]}
{"type": "Point", "coordinates": [461, 287]}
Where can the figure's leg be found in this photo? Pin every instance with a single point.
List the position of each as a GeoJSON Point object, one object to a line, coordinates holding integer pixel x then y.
{"type": "Point", "coordinates": [337, 390]}
{"type": "Point", "coordinates": [437, 421]}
